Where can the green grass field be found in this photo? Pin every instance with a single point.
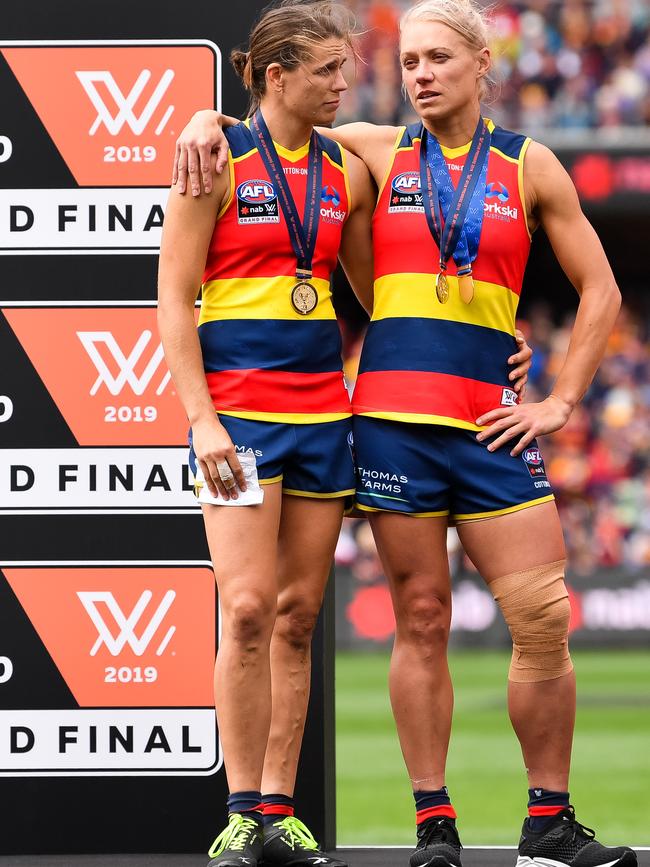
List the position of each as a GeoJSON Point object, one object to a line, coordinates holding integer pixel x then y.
{"type": "Point", "coordinates": [610, 783]}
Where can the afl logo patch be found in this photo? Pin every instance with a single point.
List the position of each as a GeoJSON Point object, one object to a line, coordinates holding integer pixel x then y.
{"type": "Point", "coordinates": [257, 202]}
{"type": "Point", "coordinates": [533, 460]}
{"type": "Point", "coordinates": [405, 193]}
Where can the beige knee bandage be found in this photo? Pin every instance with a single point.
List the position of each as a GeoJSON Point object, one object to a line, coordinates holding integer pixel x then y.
{"type": "Point", "coordinates": [535, 605]}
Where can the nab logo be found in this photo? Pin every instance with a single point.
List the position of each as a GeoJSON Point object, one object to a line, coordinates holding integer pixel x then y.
{"type": "Point", "coordinates": [497, 190]}
{"type": "Point", "coordinates": [125, 104]}
{"type": "Point", "coordinates": [126, 364]}
{"type": "Point", "coordinates": [127, 624]}
{"type": "Point", "coordinates": [256, 192]}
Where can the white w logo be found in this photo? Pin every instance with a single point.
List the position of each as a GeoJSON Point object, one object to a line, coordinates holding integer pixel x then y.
{"type": "Point", "coordinates": [126, 364]}
{"type": "Point", "coordinates": [125, 103]}
{"type": "Point", "coordinates": [126, 625]}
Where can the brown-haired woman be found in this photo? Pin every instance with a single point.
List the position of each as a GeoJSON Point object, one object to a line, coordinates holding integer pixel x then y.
{"type": "Point", "coordinates": [459, 199]}
{"type": "Point", "coordinates": [267, 358]}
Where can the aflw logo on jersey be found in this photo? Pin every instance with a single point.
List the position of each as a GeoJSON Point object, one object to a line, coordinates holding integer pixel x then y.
{"type": "Point", "coordinates": [405, 193]}
{"type": "Point", "coordinates": [257, 202]}
{"type": "Point", "coordinates": [126, 625]}
{"type": "Point", "coordinates": [125, 104]}
{"type": "Point", "coordinates": [126, 364]}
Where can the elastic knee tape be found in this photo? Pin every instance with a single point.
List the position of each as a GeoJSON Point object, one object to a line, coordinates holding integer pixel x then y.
{"type": "Point", "coordinates": [535, 605]}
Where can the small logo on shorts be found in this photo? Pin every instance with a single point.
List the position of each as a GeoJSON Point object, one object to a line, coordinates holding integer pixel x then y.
{"type": "Point", "coordinates": [257, 202]}
{"type": "Point", "coordinates": [534, 462]}
{"type": "Point", "coordinates": [508, 397]}
{"type": "Point", "coordinates": [351, 445]}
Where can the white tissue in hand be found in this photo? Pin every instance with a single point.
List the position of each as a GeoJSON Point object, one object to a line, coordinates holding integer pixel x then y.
{"type": "Point", "coordinates": [253, 495]}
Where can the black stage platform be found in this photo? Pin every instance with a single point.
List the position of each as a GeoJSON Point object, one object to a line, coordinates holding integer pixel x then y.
{"type": "Point", "coordinates": [356, 857]}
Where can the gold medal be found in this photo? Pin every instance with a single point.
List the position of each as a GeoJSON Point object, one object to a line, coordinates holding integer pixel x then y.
{"type": "Point", "coordinates": [304, 298]}
{"type": "Point", "coordinates": [466, 287]}
{"type": "Point", "coordinates": [442, 288]}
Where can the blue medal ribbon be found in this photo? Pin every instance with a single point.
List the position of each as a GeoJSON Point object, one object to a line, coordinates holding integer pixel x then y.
{"type": "Point", "coordinates": [302, 233]}
{"type": "Point", "coordinates": [455, 216]}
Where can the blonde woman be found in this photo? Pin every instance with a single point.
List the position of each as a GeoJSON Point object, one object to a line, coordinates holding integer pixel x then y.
{"type": "Point", "coordinates": [262, 385]}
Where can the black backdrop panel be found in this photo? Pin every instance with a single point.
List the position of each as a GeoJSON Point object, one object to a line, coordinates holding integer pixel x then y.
{"type": "Point", "coordinates": [108, 613]}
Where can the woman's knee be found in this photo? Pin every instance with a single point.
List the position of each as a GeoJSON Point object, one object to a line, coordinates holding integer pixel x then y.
{"type": "Point", "coordinates": [248, 617]}
{"type": "Point", "coordinates": [424, 620]}
{"type": "Point", "coordinates": [296, 621]}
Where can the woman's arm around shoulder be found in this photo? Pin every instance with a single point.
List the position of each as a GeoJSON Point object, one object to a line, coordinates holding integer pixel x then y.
{"type": "Point", "coordinates": [370, 142]}
{"type": "Point", "coordinates": [355, 252]}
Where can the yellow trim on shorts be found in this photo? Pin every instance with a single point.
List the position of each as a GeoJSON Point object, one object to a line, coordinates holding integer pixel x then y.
{"type": "Point", "coordinates": [404, 295]}
{"type": "Point", "coordinates": [479, 515]}
{"type": "Point", "coordinates": [286, 417]}
{"type": "Point", "coordinates": [331, 496]}
{"type": "Point", "coordinates": [421, 418]}
{"type": "Point", "coordinates": [260, 298]}
{"type": "Point", "coordinates": [442, 514]}
{"type": "Point", "coordinates": [271, 481]}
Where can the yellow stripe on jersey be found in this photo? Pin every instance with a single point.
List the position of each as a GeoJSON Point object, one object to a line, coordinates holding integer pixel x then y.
{"type": "Point", "coordinates": [396, 149]}
{"type": "Point", "coordinates": [260, 298]}
{"type": "Point", "coordinates": [287, 417]}
{"type": "Point", "coordinates": [346, 176]}
{"type": "Point", "coordinates": [231, 191]}
{"type": "Point", "coordinates": [401, 295]}
{"type": "Point", "coordinates": [520, 179]}
{"type": "Point", "coordinates": [424, 418]}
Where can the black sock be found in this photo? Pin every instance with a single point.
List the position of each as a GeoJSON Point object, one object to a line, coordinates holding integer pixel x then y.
{"type": "Point", "coordinates": [543, 805]}
{"type": "Point", "coordinates": [245, 802]}
{"type": "Point", "coordinates": [276, 808]}
{"type": "Point", "coordinates": [433, 803]}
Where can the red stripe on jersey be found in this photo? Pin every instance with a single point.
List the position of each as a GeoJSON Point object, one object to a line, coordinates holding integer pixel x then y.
{"type": "Point", "coordinates": [417, 391]}
{"type": "Point", "coordinates": [278, 391]}
{"type": "Point", "coordinates": [441, 810]}
{"type": "Point", "coordinates": [551, 810]}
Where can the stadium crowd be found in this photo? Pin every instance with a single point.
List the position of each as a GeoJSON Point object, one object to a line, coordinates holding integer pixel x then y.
{"type": "Point", "coordinates": [599, 463]}
{"type": "Point", "coordinates": [578, 64]}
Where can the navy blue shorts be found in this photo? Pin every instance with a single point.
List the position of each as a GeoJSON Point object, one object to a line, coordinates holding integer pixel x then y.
{"type": "Point", "coordinates": [311, 460]}
{"type": "Point", "coordinates": [429, 470]}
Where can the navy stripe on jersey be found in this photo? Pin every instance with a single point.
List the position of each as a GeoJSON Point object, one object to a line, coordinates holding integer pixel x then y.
{"type": "Point", "coordinates": [271, 344]}
{"type": "Point", "coordinates": [437, 346]}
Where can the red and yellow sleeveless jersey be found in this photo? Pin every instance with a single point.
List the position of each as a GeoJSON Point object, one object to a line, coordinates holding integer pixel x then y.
{"type": "Point", "coordinates": [423, 361]}
{"type": "Point", "coordinates": [264, 360]}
